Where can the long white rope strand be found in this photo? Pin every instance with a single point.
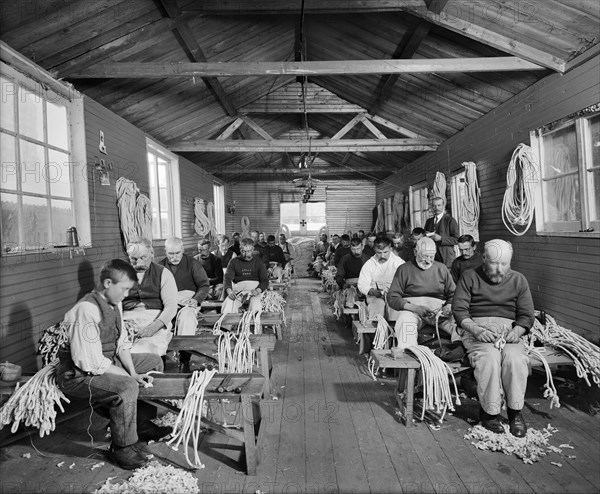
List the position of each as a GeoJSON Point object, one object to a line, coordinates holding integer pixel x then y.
{"type": "Point", "coordinates": [202, 223]}
{"type": "Point", "coordinates": [126, 202]}
{"type": "Point", "coordinates": [439, 186]}
{"type": "Point", "coordinates": [143, 216]}
{"type": "Point", "coordinates": [469, 217]}
{"type": "Point", "coordinates": [519, 198]}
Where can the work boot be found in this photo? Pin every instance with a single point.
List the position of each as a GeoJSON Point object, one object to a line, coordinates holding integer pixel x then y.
{"type": "Point", "coordinates": [149, 431]}
{"type": "Point", "coordinates": [127, 457]}
{"type": "Point", "coordinates": [491, 422]}
{"type": "Point", "coordinates": [517, 425]}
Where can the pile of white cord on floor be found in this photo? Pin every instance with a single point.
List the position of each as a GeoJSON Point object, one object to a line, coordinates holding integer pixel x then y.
{"type": "Point", "coordinates": [153, 478]}
{"type": "Point", "coordinates": [529, 448]}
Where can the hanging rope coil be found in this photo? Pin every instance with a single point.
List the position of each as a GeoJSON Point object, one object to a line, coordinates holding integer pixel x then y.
{"type": "Point", "coordinates": [210, 213]}
{"type": "Point", "coordinates": [439, 186]}
{"type": "Point", "coordinates": [398, 211]}
{"type": "Point", "coordinates": [469, 217]}
{"type": "Point", "coordinates": [245, 224]}
{"type": "Point", "coordinates": [127, 191]}
{"type": "Point", "coordinates": [202, 225]}
{"type": "Point", "coordinates": [519, 198]}
{"type": "Point", "coordinates": [380, 222]}
{"type": "Point", "coordinates": [143, 216]}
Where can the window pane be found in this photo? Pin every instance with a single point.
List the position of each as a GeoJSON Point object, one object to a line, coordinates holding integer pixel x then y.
{"type": "Point", "coordinates": [32, 163]}
{"type": "Point", "coordinates": [58, 131]}
{"type": "Point", "coordinates": [164, 200]}
{"type": "Point", "coordinates": [289, 214]}
{"type": "Point", "coordinates": [162, 172]}
{"type": "Point", "coordinates": [31, 121]}
{"type": "Point", "coordinates": [560, 152]}
{"type": "Point", "coordinates": [165, 225]}
{"type": "Point", "coordinates": [58, 173]}
{"type": "Point", "coordinates": [562, 199]}
{"type": "Point", "coordinates": [152, 172]}
{"type": "Point", "coordinates": [595, 132]}
{"type": "Point", "coordinates": [62, 219]}
{"type": "Point", "coordinates": [10, 222]}
{"type": "Point", "coordinates": [7, 104]}
{"type": "Point", "coordinates": [595, 189]}
{"type": "Point", "coordinates": [35, 223]}
{"type": "Point", "coordinates": [9, 162]}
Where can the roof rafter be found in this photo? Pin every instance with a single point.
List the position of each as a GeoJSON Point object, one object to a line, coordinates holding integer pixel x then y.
{"type": "Point", "coordinates": [162, 70]}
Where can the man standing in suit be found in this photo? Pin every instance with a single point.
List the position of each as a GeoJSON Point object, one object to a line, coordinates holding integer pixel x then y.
{"type": "Point", "coordinates": [443, 230]}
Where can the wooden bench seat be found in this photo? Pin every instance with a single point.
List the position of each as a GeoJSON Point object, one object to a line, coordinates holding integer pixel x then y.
{"type": "Point", "coordinates": [175, 387]}
{"type": "Point", "coordinates": [406, 381]}
{"type": "Point", "coordinates": [212, 305]}
{"type": "Point", "coordinates": [207, 344]}
{"type": "Point", "coordinates": [274, 319]}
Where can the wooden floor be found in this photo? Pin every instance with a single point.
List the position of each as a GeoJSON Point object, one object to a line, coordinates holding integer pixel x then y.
{"type": "Point", "coordinates": [328, 428]}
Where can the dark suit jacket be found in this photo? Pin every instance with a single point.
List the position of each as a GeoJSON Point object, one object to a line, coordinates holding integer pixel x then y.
{"type": "Point", "coordinates": [447, 228]}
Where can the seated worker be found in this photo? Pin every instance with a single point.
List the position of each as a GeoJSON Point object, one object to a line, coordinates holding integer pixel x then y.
{"type": "Point", "coordinates": [225, 252]}
{"type": "Point", "coordinates": [342, 250]}
{"type": "Point", "coordinates": [285, 247]}
{"type": "Point", "coordinates": [259, 249]}
{"type": "Point", "coordinates": [321, 247]}
{"type": "Point", "coordinates": [411, 243]}
{"type": "Point", "coordinates": [235, 246]}
{"type": "Point", "coordinates": [335, 243]}
{"type": "Point", "coordinates": [493, 302]}
{"type": "Point", "coordinates": [190, 277]}
{"type": "Point", "coordinates": [374, 281]}
{"type": "Point", "coordinates": [350, 265]}
{"type": "Point", "coordinates": [97, 366]}
{"type": "Point", "coordinates": [275, 257]}
{"type": "Point", "coordinates": [468, 259]}
{"type": "Point", "coordinates": [246, 277]}
{"type": "Point", "coordinates": [398, 244]}
{"type": "Point", "coordinates": [152, 302]}
{"type": "Point", "coordinates": [419, 289]}
{"type": "Point", "coordinates": [369, 244]}
{"type": "Point", "coordinates": [361, 234]}
{"type": "Point", "coordinates": [213, 269]}
{"type": "Point", "coordinates": [443, 229]}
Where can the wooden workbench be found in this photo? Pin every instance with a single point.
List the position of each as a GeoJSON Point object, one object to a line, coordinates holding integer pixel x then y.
{"type": "Point", "coordinates": [207, 344]}
{"type": "Point", "coordinates": [274, 319]}
{"type": "Point", "coordinates": [175, 387]}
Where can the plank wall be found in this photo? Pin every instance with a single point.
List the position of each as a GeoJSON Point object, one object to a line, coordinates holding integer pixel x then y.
{"type": "Point", "coordinates": [563, 272]}
{"type": "Point", "coordinates": [259, 201]}
{"type": "Point", "coordinates": [38, 288]}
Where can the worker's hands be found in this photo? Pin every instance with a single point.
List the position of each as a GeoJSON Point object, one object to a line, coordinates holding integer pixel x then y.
{"type": "Point", "coordinates": [232, 295]}
{"type": "Point", "coordinates": [150, 330]}
{"type": "Point", "coordinates": [375, 292]}
{"type": "Point", "coordinates": [193, 303]}
{"type": "Point", "coordinates": [420, 310]}
{"type": "Point", "coordinates": [514, 335]}
{"type": "Point", "coordinates": [255, 291]}
{"type": "Point", "coordinates": [436, 237]}
{"type": "Point", "coordinates": [446, 310]}
{"type": "Point", "coordinates": [144, 380]}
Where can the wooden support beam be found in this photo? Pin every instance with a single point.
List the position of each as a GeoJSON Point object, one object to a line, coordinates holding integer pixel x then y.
{"type": "Point", "coordinates": [231, 128]}
{"type": "Point", "coordinates": [396, 128]}
{"type": "Point", "coordinates": [257, 128]}
{"type": "Point", "coordinates": [274, 7]}
{"type": "Point", "coordinates": [374, 130]}
{"type": "Point", "coordinates": [459, 24]}
{"type": "Point", "coordinates": [346, 128]}
{"type": "Point", "coordinates": [161, 70]}
{"type": "Point", "coordinates": [436, 6]}
{"type": "Point", "coordinates": [301, 145]}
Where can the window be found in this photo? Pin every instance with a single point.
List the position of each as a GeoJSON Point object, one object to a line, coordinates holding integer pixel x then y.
{"type": "Point", "coordinates": [419, 205]}
{"type": "Point", "coordinates": [315, 217]}
{"type": "Point", "coordinates": [289, 213]}
{"type": "Point", "coordinates": [163, 174]}
{"type": "Point", "coordinates": [219, 202]}
{"type": "Point", "coordinates": [568, 194]}
{"type": "Point", "coordinates": [43, 187]}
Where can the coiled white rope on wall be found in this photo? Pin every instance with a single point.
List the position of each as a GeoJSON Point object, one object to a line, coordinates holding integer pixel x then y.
{"type": "Point", "coordinates": [469, 217]}
{"type": "Point", "coordinates": [202, 222]}
{"type": "Point", "coordinates": [245, 224]}
{"type": "Point", "coordinates": [380, 222]}
{"type": "Point", "coordinates": [439, 186]}
{"type": "Point", "coordinates": [143, 216]}
{"type": "Point", "coordinates": [518, 205]}
{"type": "Point", "coordinates": [135, 211]}
{"type": "Point", "coordinates": [398, 211]}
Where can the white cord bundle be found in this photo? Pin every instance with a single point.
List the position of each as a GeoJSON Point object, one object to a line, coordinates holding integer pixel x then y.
{"type": "Point", "coordinates": [187, 321]}
{"type": "Point", "coordinates": [126, 202]}
{"type": "Point", "coordinates": [189, 421]}
{"type": "Point", "coordinates": [363, 312]}
{"type": "Point", "coordinates": [338, 303]}
{"type": "Point", "coordinates": [439, 186]}
{"type": "Point", "coordinates": [383, 334]}
{"type": "Point", "coordinates": [202, 222]}
{"type": "Point", "coordinates": [469, 217]}
{"type": "Point", "coordinates": [245, 224]}
{"type": "Point", "coordinates": [234, 352]}
{"type": "Point", "coordinates": [518, 205]}
{"type": "Point", "coordinates": [143, 216]}
{"type": "Point", "coordinates": [436, 385]}
{"type": "Point", "coordinates": [52, 339]}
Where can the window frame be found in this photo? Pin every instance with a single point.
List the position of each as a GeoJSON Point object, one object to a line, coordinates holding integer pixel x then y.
{"type": "Point", "coordinates": [173, 189]}
{"type": "Point", "coordinates": [587, 226]}
{"type": "Point", "coordinates": [30, 77]}
{"type": "Point", "coordinates": [219, 205]}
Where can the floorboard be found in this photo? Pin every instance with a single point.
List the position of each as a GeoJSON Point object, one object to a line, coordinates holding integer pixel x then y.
{"type": "Point", "coordinates": [328, 427]}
